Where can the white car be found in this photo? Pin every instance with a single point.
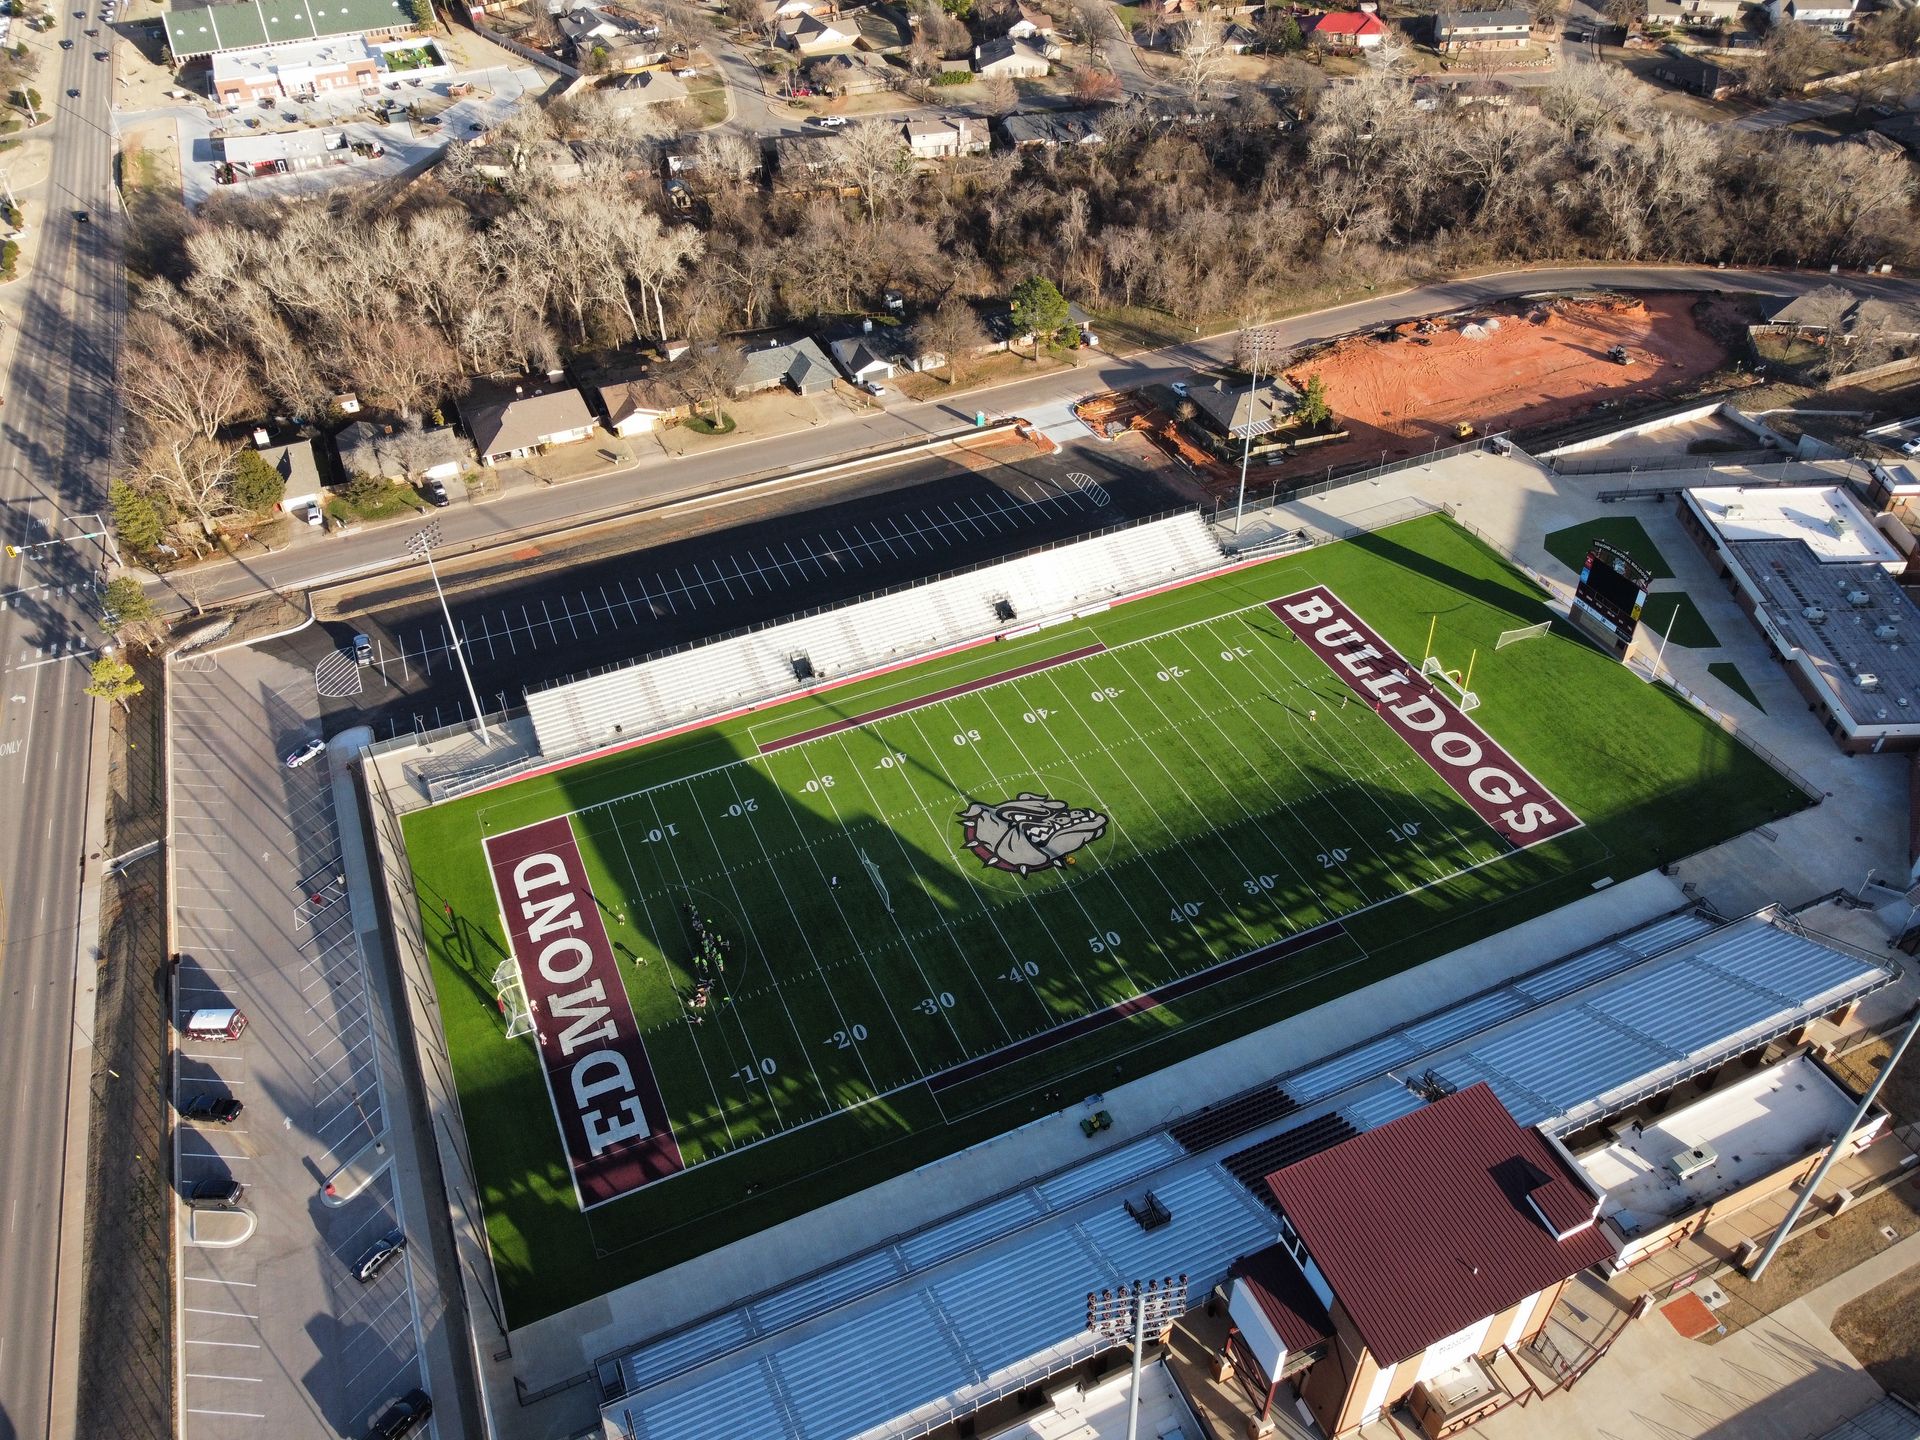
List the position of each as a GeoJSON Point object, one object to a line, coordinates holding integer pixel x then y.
{"type": "Point", "coordinates": [830, 122]}
{"type": "Point", "coordinates": [1911, 447]}
{"type": "Point", "coordinates": [297, 758]}
{"type": "Point", "coordinates": [873, 387]}
{"type": "Point", "coordinates": [1179, 387]}
{"type": "Point", "coordinates": [686, 72]}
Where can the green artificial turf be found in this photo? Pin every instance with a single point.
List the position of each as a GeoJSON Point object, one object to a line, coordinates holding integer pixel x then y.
{"type": "Point", "coordinates": [1676, 608]}
{"type": "Point", "coordinates": [1728, 674]}
{"type": "Point", "coordinates": [1623, 532]}
{"type": "Point", "coordinates": [1245, 802]}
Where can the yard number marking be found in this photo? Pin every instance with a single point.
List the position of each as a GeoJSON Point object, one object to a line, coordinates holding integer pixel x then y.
{"type": "Point", "coordinates": [1330, 858]}
{"type": "Point", "coordinates": [934, 1004]}
{"type": "Point", "coordinates": [1035, 717]}
{"type": "Point", "coordinates": [1101, 944]}
{"type": "Point", "coordinates": [1025, 970]}
{"type": "Point", "coordinates": [742, 807]}
{"type": "Point", "coordinates": [750, 1074]}
{"type": "Point", "coordinates": [814, 787]}
{"type": "Point", "coordinates": [1259, 884]}
{"type": "Point", "coordinates": [896, 760]}
{"type": "Point", "coordinates": [967, 737]}
{"type": "Point", "coordinates": [1107, 692]}
{"type": "Point", "coordinates": [1185, 910]}
{"type": "Point", "coordinates": [846, 1039]}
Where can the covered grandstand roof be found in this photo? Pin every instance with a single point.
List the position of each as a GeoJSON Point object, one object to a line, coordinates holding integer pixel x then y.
{"type": "Point", "coordinates": [253, 23]}
{"type": "Point", "coordinates": [992, 1299]}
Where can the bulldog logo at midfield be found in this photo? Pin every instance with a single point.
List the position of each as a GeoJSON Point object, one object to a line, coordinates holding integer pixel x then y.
{"type": "Point", "coordinates": [1029, 832]}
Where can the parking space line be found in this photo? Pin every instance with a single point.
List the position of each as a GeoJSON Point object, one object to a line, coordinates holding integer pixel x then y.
{"type": "Point", "coordinates": [227, 1314]}
{"type": "Point", "coordinates": [216, 1280]}
{"type": "Point", "coordinates": [237, 1414]}
{"type": "Point", "coordinates": [227, 1344]}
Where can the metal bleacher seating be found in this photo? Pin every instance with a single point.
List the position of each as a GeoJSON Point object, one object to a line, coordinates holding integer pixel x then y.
{"type": "Point", "coordinates": [758, 666]}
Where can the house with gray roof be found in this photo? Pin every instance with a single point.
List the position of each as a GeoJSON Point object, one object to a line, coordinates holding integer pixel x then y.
{"type": "Point", "coordinates": [1240, 412]}
{"type": "Point", "coordinates": [250, 24]}
{"type": "Point", "coordinates": [1482, 30]}
{"type": "Point", "coordinates": [532, 416]}
{"type": "Point", "coordinates": [1048, 128]}
{"type": "Point", "coordinates": [1011, 59]}
{"type": "Point", "coordinates": [296, 464]}
{"type": "Point", "coordinates": [796, 363]}
{"type": "Point", "coordinates": [400, 455]}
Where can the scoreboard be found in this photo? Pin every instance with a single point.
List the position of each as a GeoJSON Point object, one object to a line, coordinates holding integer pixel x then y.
{"type": "Point", "coordinates": [1611, 594]}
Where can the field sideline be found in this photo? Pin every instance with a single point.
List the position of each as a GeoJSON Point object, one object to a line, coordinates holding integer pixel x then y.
{"type": "Point", "coordinates": [1228, 830]}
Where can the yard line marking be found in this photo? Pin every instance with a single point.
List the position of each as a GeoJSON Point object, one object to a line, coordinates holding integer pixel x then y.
{"type": "Point", "coordinates": [719, 1105]}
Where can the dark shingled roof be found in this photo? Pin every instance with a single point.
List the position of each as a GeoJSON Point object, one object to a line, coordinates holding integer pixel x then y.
{"type": "Point", "coordinates": [1274, 1280]}
{"type": "Point", "coordinates": [1429, 1223]}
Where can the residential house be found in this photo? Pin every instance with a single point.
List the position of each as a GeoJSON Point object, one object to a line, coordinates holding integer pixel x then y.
{"type": "Point", "coordinates": [852, 73]}
{"type": "Point", "coordinates": [1838, 313]}
{"type": "Point", "coordinates": [534, 415]}
{"type": "Point", "coordinates": [1241, 412]}
{"type": "Point", "coordinates": [1481, 30]}
{"type": "Point", "coordinates": [641, 405]}
{"type": "Point", "coordinates": [554, 160]}
{"type": "Point", "coordinates": [297, 466]}
{"type": "Point", "coordinates": [815, 35]}
{"type": "Point", "coordinates": [801, 162]}
{"type": "Point", "coordinates": [257, 24]}
{"type": "Point", "coordinates": [772, 12]}
{"type": "Point", "coordinates": [1047, 128]}
{"type": "Point", "coordinates": [1346, 30]}
{"type": "Point", "coordinates": [345, 62]}
{"type": "Point", "coordinates": [582, 26]}
{"type": "Point", "coordinates": [1903, 130]}
{"type": "Point", "coordinates": [642, 90]}
{"type": "Point", "coordinates": [1010, 59]}
{"type": "Point", "coordinates": [1700, 77]}
{"type": "Point", "coordinates": [1413, 1259]}
{"type": "Point", "coordinates": [998, 320]}
{"type": "Point", "coordinates": [795, 363]}
{"type": "Point", "coordinates": [1832, 15]}
{"type": "Point", "coordinates": [1697, 14]}
{"type": "Point", "coordinates": [401, 455]}
{"type": "Point", "coordinates": [879, 352]}
{"type": "Point", "coordinates": [617, 42]}
{"type": "Point", "coordinates": [941, 137]}
{"type": "Point", "coordinates": [880, 32]}
{"type": "Point", "coordinates": [1235, 38]}
{"type": "Point", "coordinates": [1031, 24]}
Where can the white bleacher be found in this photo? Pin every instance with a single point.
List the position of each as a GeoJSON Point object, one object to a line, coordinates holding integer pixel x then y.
{"type": "Point", "coordinates": [756, 667]}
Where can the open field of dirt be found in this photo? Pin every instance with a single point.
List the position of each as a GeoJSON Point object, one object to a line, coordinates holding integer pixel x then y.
{"type": "Point", "coordinates": [1508, 366]}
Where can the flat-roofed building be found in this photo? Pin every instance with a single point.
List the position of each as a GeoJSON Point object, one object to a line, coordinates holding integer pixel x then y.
{"type": "Point", "coordinates": [309, 68]}
{"type": "Point", "coordinates": [1811, 567]}
{"type": "Point", "coordinates": [252, 24]}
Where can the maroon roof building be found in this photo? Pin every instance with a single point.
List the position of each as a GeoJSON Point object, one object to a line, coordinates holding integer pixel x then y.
{"type": "Point", "coordinates": [1410, 1258]}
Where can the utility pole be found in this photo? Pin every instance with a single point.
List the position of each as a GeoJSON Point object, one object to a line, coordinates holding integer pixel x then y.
{"type": "Point", "coordinates": [420, 544]}
{"type": "Point", "coordinates": [1833, 1150]}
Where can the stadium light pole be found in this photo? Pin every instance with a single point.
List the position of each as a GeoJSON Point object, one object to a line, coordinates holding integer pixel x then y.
{"type": "Point", "coordinates": [1246, 441]}
{"type": "Point", "coordinates": [1115, 1312]}
{"type": "Point", "coordinates": [420, 545]}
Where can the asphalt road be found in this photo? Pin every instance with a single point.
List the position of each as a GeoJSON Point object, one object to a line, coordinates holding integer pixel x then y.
{"type": "Point", "coordinates": [657, 478]}
{"type": "Point", "coordinates": [54, 429]}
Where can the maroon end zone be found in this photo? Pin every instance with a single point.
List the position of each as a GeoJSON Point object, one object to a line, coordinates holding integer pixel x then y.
{"type": "Point", "coordinates": [834, 727]}
{"type": "Point", "coordinates": [606, 1101]}
{"type": "Point", "coordinates": [1518, 807]}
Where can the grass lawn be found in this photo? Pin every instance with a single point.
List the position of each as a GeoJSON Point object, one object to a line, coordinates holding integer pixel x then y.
{"type": "Point", "coordinates": [383, 505]}
{"type": "Point", "coordinates": [708, 97]}
{"type": "Point", "coordinates": [1246, 799]}
{"type": "Point", "coordinates": [1728, 674]}
{"type": "Point", "coordinates": [1690, 627]}
{"type": "Point", "coordinates": [1570, 546]}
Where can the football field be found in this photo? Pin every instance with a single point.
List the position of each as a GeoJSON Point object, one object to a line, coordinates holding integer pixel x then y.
{"type": "Point", "coordinates": [861, 930]}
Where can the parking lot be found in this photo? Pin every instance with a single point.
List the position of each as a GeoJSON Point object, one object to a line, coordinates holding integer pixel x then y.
{"type": "Point", "coordinates": [926, 519]}
{"type": "Point", "coordinates": [277, 1336]}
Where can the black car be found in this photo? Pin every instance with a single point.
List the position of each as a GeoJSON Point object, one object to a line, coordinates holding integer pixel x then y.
{"type": "Point", "coordinates": [221, 1194]}
{"type": "Point", "coordinates": [80, 217]}
{"type": "Point", "coordinates": [436, 494]}
{"type": "Point", "coordinates": [92, 34]}
{"type": "Point", "coordinates": [217, 1109]}
{"type": "Point", "coordinates": [73, 94]}
{"type": "Point", "coordinates": [380, 1256]}
{"type": "Point", "coordinates": [66, 44]}
{"type": "Point", "coordinates": [404, 1417]}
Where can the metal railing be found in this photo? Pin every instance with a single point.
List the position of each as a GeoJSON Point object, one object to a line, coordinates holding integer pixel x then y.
{"type": "Point", "coordinates": [1636, 464]}
{"type": "Point", "coordinates": [1392, 467]}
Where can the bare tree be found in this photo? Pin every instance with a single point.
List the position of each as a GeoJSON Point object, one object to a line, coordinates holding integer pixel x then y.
{"type": "Point", "coordinates": [998, 97]}
{"type": "Point", "coordinates": [1203, 51]}
{"type": "Point", "coordinates": [709, 372]}
{"type": "Point", "coordinates": [873, 155]}
{"type": "Point", "coordinates": [951, 331]}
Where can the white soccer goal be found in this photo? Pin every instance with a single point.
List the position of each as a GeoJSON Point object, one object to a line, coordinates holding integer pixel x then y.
{"type": "Point", "coordinates": [1453, 680]}
{"type": "Point", "coordinates": [873, 874]}
{"type": "Point", "coordinates": [510, 991]}
{"type": "Point", "coordinates": [1525, 632]}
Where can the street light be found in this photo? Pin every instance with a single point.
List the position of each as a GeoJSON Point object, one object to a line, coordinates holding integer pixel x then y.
{"type": "Point", "coordinates": [420, 545]}
{"type": "Point", "coordinates": [1114, 1312]}
{"type": "Point", "coordinates": [1246, 440]}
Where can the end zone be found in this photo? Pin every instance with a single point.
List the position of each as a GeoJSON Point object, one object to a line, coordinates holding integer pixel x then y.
{"type": "Point", "coordinates": [1519, 808]}
{"type": "Point", "coordinates": [606, 1099]}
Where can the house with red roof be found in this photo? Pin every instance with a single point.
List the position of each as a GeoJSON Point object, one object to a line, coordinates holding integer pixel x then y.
{"type": "Point", "coordinates": [1413, 1259]}
{"type": "Point", "coordinates": [1347, 30]}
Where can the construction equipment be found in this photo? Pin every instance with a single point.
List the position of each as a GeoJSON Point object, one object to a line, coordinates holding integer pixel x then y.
{"type": "Point", "coordinates": [1463, 430]}
{"type": "Point", "coordinates": [1619, 356]}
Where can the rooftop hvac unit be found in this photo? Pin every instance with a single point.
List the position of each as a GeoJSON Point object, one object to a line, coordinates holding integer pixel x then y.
{"type": "Point", "coordinates": [1838, 525]}
{"type": "Point", "coordinates": [1859, 599]}
{"type": "Point", "coordinates": [1814, 615]}
{"type": "Point", "coordinates": [1886, 632]}
{"type": "Point", "coordinates": [1867, 680]}
{"type": "Point", "coordinates": [1734, 510]}
{"type": "Point", "coordinates": [1689, 1163]}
